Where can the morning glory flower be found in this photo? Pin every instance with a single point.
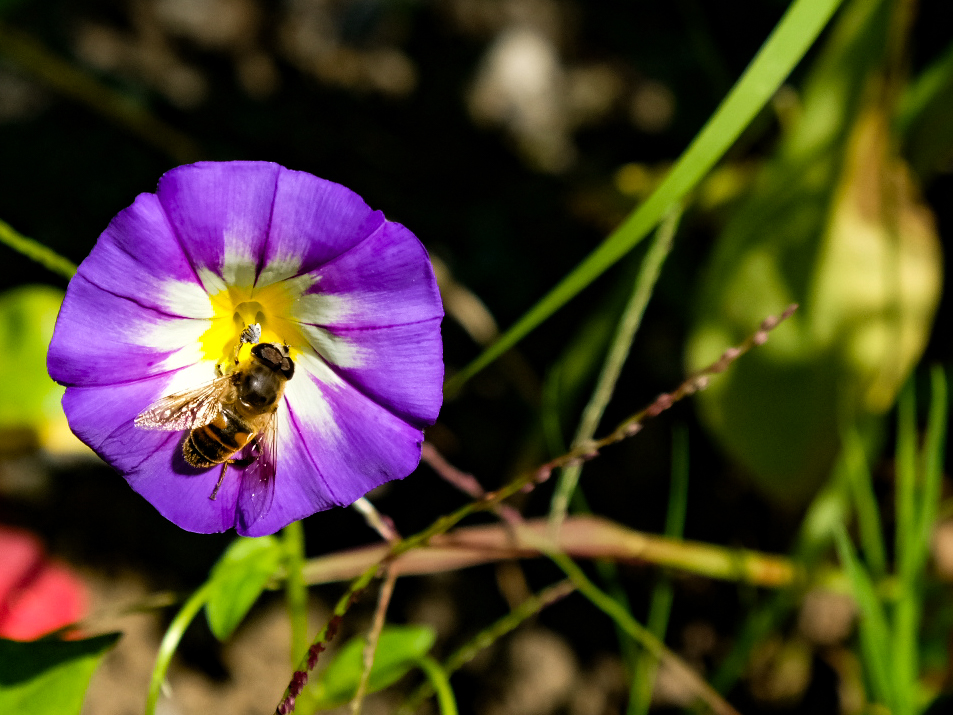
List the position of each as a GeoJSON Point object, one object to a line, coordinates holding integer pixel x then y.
{"type": "Point", "coordinates": [184, 284]}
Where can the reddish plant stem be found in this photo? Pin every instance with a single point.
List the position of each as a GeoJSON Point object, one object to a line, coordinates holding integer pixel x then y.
{"type": "Point", "coordinates": [373, 636]}
{"type": "Point", "coordinates": [525, 481]}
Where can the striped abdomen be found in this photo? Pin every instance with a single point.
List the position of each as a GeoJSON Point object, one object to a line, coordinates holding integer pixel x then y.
{"type": "Point", "coordinates": [217, 441]}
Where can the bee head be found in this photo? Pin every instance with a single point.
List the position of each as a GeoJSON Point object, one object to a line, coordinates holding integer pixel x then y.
{"type": "Point", "coordinates": [275, 357]}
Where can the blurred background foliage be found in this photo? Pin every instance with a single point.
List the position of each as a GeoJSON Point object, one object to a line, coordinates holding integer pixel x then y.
{"type": "Point", "coordinates": [834, 222]}
{"type": "Point", "coordinates": [511, 136]}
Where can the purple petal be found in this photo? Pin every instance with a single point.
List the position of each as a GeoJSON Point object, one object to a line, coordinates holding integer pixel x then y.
{"type": "Point", "coordinates": [300, 489]}
{"type": "Point", "coordinates": [101, 339]}
{"type": "Point", "coordinates": [139, 257]}
{"type": "Point", "coordinates": [221, 214]}
{"type": "Point", "coordinates": [313, 221]}
{"type": "Point", "coordinates": [151, 461]}
{"type": "Point", "coordinates": [354, 443]}
{"type": "Point", "coordinates": [384, 280]}
{"type": "Point", "coordinates": [400, 367]}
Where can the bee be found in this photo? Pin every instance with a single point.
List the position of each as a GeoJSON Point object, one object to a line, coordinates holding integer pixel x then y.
{"type": "Point", "coordinates": [229, 414]}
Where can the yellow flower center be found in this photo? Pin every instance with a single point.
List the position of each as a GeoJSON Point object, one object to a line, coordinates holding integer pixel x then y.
{"type": "Point", "coordinates": [236, 307]}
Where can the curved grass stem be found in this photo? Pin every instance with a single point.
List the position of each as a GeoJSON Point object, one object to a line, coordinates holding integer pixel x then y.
{"type": "Point", "coordinates": [373, 637]}
{"type": "Point", "coordinates": [296, 592]}
{"type": "Point", "coordinates": [34, 250]}
{"type": "Point", "coordinates": [170, 642]}
{"type": "Point", "coordinates": [615, 359]}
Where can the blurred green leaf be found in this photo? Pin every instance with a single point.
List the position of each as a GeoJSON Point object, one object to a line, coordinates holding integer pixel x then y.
{"type": "Point", "coordinates": [238, 579]}
{"type": "Point", "coordinates": [905, 493]}
{"type": "Point", "coordinates": [30, 411]}
{"type": "Point", "coordinates": [48, 677]}
{"type": "Point", "coordinates": [399, 650]}
{"type": "Point", "coordinates": [833, 223]}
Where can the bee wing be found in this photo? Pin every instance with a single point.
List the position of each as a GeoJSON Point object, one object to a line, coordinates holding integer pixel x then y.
{"type": "Point", "coordinates": [185, 410]}
{"type": "Point", "coordinates": [258, 480]}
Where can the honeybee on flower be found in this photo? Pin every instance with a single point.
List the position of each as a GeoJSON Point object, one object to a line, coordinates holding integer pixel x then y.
{"type": "Point", "coordinates": [344, 347]}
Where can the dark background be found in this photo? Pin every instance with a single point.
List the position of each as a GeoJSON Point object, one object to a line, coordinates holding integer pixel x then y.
{"type": "Point", "coordinates": [507, 227]}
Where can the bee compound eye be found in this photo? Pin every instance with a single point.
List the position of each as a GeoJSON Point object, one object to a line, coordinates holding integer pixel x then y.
{"type": "Point", "coordinates": [287, 368]}
{"type": "Point", "coordinates": [268, 354]}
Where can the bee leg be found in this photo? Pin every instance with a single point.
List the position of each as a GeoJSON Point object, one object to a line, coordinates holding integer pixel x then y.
{"type": "Point", "coordinates": [221, 478]}
{"type": "Point", "coordinates": [243, 462]}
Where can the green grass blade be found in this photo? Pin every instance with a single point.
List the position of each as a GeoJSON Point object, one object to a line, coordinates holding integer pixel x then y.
{"type": "Point", "coordinates": [660, 606]}
{"type": "Point", "coordinates": [34, 250]}
{"type": "Point", "coordinates": [640, 633]}
{"type": "Point", "coordinates": [615, 359]}
{"type": "Point", "coordinates": [170, 641]}
{"type": "Point", "coordinates": [907, 607]}
{"type": "Point", "coordinates": [440, 680]}
{"type": "Point", "coordinates": [906, 468]}
{"type": "Point", "coordinates": [923, 119]}
{"type": "Point", "coordinates": [874, 631]}
{"type": "Point", "coordinates": [919, 518]}
{"type": "Point", "coordinates": [532, 606]}
{"type": "Point", "coordinates": [296, 592]}
{"type": "Point", "coordinates": [827, 512]}
{"type": "Point", "coordinates": [763, 619]}
{"type": "Point", "coordinates": [784, 48]}
{"type": "Point", "coordinates": [678, 493]}
{"type": "Point", "coordinates": [930, 85]}
{"type": "Point", "coordinates": [854, 460]}
{"type": "Point", "coordinates": [933, 455]}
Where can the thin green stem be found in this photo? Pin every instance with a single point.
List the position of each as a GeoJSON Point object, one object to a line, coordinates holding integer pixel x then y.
{"type": "Point", "coordinates": [627, 429]}
{"type": "Point", "coordinates": [653, 645]}
{"type": "Point", "coordinates": [640, 694]}
{"type": "Point", "coordinates": [906, 613]}
{"type": "Point", "coordinates": [485, 638]}
{"type": "Point", "coordinates": [310, 658]}
{"type": "Point", "coordinates": [615, 359]}
{"type": "Point", "coordinates": [906, 471]}
{"type": "Point", "coordinates": [296, 592]}
{"type": "Point", "coordinates": [826, 513]}
{"type": "Point", "coordinates": [373, 638]}
{"type": "Point", "coordinates": [170, 641]}
{"type": "Point", "coordinates": [874, 629]}
{"type": "Point", "coordinates": [854, 460]}
{"type": "Point", "coordinates": [34, 250]}
{"type": "Point", "coordinates": [934, 450]}
{"type": "Point", "coordinates": [440, 680]}
{"type": "Point", "coordinates": [920, 514]}
{"type": "Point", "coordinates": [678, 493]}
{"type": "Point", "coordinates": [783, 49]}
